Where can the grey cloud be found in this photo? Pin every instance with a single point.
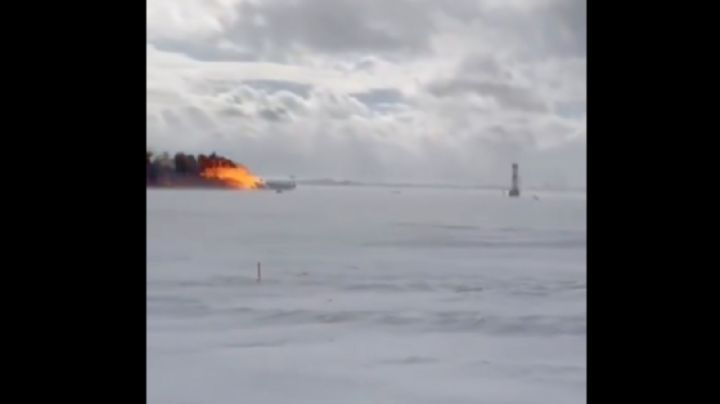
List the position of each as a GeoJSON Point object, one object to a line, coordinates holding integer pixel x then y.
{"type": "Point", "coordinates": [272, 29]}
{"type": "Point", "coordinates": [486, 66]}
{"type": "Point", "coordinates": [508, 96]}
{"type": "Point", "coordinates": [571, 109]}
{"type": "Point", "coordinates": [153, 123]}
{"type": "Point", "coordinates": [561, 167]}
{"type": "Point", "coordinates": [557, 29]}
{"type": "Point", "coordinates": [202, 50]}
{"type": "Point", "coordinates": [291, 102]}
{"type": "Point", "coordinates": [367, 64]}
{"type": "Point", "coordinates": [334, 26]}
{"type": "Point", "coordinates": [241, 89]}
{"type": "Point", "coordinates": [381, 98]}
{"type": "Point", "coordinates": [171, 119]}
{"type": "Point", "coordinates": [504, 140]}
{"type": "Point", "coordinates": [216, 87]}
{"type": "Point", "coordinates": [572, 25]}
{"type": "Point", "coordinates": [161, 95]}
{"type": "Point", "coordinates": [273, 115]}
{"type": "Point", "coordinates": [274, 86]}
{"type": "Point", "coordinates": [342, 26]}
{"type": "Point", "coordinates": [230, 112]}
{"type": "Point", "coordinates": [199, 118]}
{"type": "Point", "coordinates": [186, 119]}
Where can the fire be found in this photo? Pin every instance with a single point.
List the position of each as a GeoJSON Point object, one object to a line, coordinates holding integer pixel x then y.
{"type": "Point", "coordinates": [236, 177]}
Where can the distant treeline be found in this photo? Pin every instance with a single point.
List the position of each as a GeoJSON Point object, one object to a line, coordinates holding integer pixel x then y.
{"type": "Point", "coordinates": [182, 169]}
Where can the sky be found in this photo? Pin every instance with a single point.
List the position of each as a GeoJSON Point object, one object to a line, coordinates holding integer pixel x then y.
{"type": "Point", "coordinates": [374, 90]}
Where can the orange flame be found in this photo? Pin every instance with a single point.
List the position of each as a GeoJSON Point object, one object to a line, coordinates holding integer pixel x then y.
{"type": "Point", "coordinates": [236, 177]}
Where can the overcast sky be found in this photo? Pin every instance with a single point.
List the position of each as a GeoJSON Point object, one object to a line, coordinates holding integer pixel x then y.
{"type": "Point", "coordinates": [395, 90]}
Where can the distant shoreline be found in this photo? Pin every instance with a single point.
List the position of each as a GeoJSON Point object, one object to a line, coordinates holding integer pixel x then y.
{"type": "Point", "coordinates": [357, 184]}
{"type": "Point", "coordinates": [350, 183]}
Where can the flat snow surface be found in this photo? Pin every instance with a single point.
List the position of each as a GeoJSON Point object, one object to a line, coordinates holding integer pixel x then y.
{"type": "Point", "coordinates": [369, 295]}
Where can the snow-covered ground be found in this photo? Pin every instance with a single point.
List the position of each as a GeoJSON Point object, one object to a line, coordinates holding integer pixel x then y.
{"type": "Point", "coordinates": [369, 295]}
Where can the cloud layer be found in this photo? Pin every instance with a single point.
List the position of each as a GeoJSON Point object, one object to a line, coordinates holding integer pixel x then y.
{"type": "Point", "coordinates": [411, 90]}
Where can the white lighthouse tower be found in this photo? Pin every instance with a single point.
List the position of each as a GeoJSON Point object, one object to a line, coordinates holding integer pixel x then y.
{"type": "Point", "coordinates": [515, 187]}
